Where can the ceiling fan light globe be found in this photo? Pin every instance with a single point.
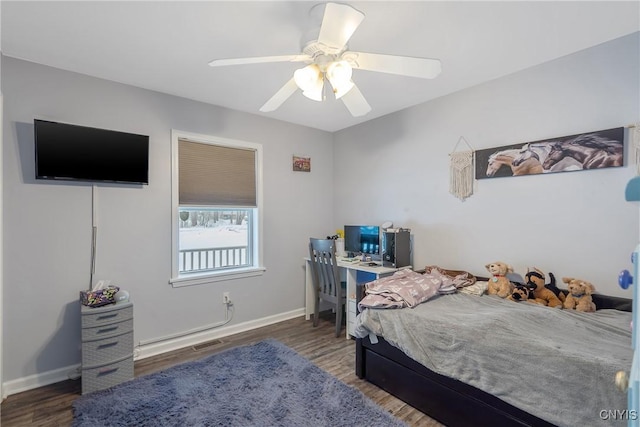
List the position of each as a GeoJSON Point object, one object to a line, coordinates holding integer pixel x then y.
{"type": "Point", "coordinates": [308, 77]}
{"type": "Point", "coordinates": [314, 91]}
{"type": "Point", "coordinates": [339, 71]}
{"type": "Point", "coordinates": [339, 75]}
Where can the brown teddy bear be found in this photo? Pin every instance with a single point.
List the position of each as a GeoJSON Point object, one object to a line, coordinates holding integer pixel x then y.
{"type": "Point", "coordinates": [579, 297]}
{"type": "Point", "coordinates": [523, 293]}
{"type": "Point", "coordinates": [535, 281]}
{"type": "Point", "coordinates": [498, 282]}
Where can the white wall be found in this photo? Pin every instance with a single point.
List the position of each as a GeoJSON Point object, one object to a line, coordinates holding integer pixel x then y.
{"type": "Point", "coordinates": [47, 225]}
{"type": "Point", "coordinates": [572, 224]}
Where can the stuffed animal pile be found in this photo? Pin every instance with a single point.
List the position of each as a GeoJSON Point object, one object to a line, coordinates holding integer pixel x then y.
{"type": "Point", "coordinates": [498, 282]}
{"type": "Point", "coordinates": [535, 290]}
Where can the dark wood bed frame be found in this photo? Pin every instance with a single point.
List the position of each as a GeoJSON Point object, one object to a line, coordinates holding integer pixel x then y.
{"type": "Point", "coordinates": [445, 399]}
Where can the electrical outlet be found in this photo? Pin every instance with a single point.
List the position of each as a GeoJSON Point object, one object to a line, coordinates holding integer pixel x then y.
{"type": "Point", "coordinates": [226, 299]}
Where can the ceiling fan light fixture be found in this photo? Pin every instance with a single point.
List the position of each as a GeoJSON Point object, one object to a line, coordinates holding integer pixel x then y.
{"type": "Point", "coordinates": [315, 91]}
{"type": "Point", "coordinates": [324, 49]}
{"type": "Point", "coordinates": [339, 71]}
{"type": "Point", "coordinates": [307, 78]}
{"type": "Point", "coordinates": [310, 80]}
{"type": "Point", "coordinates": [339, 75]}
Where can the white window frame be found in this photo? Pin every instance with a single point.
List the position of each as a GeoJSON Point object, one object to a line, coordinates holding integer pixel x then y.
{"type": "Point", "coordinates": [257, 268]}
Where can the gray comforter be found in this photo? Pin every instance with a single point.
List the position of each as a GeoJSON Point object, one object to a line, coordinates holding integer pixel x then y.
{"type": "Point", "coordinates": [556, 364]}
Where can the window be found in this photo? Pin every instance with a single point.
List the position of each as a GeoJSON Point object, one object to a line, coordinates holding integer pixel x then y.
{"type": "Point", "coordinates": [216, 198]}
{"type": "Point", "coordinates": [214, 239]}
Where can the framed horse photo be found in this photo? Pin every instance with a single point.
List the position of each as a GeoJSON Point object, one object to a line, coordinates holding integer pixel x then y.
{"type": "Point", "coordinates": [593, 150]}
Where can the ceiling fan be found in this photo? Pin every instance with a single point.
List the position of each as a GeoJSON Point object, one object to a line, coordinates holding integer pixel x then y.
{"type": "Point", "coordinates": [326, 54]}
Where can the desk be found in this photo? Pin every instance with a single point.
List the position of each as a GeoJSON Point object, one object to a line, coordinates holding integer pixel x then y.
{"type": "Point", "coordinates": [352, 270]}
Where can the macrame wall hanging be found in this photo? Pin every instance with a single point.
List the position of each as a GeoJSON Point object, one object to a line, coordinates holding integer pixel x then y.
{"type": "Point", "coordinates": [461, 171]}
{"type": "Point", "coordinates": [634, 138]}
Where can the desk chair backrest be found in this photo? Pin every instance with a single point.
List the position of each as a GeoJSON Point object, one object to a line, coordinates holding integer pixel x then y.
{"type": "Point", "coordinates": [324, 269]}
{"type": "Point", "coordinates": [326, 279]}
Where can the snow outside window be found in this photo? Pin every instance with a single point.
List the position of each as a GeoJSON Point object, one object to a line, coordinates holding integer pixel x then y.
{"type": "Point", "coordinates": [214, 239]}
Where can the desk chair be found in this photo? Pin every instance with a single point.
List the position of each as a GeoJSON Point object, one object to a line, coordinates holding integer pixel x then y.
{"type": "Point", "coordinates": [326, 279]}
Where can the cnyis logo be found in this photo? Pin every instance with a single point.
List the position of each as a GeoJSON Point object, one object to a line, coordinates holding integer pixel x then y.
{"type": "Point", "coordinates": [619, 415]}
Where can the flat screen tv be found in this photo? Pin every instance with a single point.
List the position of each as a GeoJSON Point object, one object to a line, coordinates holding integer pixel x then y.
{"type": "Point", "coordinates": [71, 152]}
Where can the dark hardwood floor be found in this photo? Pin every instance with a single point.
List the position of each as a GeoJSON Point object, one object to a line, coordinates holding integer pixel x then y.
{"type": "Point", "coordinates": [51, 405]}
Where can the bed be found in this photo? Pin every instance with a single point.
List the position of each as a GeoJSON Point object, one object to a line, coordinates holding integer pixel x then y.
{"type": "Point", "coordinates": [468, 360]}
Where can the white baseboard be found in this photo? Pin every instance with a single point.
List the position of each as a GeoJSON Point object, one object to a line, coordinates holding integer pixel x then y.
{"type": "Point", "coordinates": [144, 351]}
{"type": "Point", "coordinates": [39, 380]}
{"type": "Point", "coordinates": [148, 350]}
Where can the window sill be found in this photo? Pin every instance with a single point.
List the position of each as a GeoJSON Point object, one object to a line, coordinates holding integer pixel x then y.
{"type": "Point", "coordinates": [204, 278]}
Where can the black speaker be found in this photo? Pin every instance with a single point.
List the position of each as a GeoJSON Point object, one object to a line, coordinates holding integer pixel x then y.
{"type": "Point", "coordinates": [396, 249]}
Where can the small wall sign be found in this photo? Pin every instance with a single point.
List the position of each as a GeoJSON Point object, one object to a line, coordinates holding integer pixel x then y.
{"type": "Point", "coordinates": [301, 164]}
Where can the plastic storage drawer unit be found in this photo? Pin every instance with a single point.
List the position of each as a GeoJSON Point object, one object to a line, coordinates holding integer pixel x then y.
{"type": "Point", "coordinates": [107, 346]}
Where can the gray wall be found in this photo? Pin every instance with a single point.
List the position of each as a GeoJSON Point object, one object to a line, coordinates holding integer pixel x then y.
{"type": "Point", "coordinates": [572, 224]}
{"type": "Point", "coordinates": [47, 225]}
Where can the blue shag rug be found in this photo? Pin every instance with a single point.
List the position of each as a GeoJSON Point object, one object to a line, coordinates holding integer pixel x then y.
{"type": "Point", "coordinates": [264, 384]}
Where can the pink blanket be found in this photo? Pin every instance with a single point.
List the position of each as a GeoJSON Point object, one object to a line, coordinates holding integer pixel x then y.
{"type": "Point", "coordinates": [404, 288]}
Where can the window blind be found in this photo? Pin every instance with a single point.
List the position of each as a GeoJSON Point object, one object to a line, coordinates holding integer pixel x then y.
{"type": "Point", "coordinates": [212, 175]}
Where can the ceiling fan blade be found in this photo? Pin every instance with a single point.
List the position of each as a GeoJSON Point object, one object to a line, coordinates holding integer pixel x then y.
{"type": "Point", "coordinates": [425, 68]}
{"type": "Point", "coordinates": [355, 102]}
{"type": "Point", "coordinates": [282, 95]}
{"type": "Point", "coordinates": [339, 23]}
{"type": "Point", "coordinates": [259, 60]}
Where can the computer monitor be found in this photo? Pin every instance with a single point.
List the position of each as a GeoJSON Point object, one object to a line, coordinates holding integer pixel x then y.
{"type": "Point", "coordinates": [362, 239]}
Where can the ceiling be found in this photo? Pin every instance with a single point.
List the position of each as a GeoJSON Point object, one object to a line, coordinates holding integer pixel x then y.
{"type": "Point", "coordinates": [165, 46]}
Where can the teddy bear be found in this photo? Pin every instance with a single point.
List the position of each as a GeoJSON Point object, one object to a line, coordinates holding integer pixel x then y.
{"type": "Point", "coordinates": [579, 296]}
{"type": "Point", "coordinates": [523, 293]}
{"type": "Point", "coordinates": [535, 281]}
{"type": "Point", "coordinates": [498, 282]}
